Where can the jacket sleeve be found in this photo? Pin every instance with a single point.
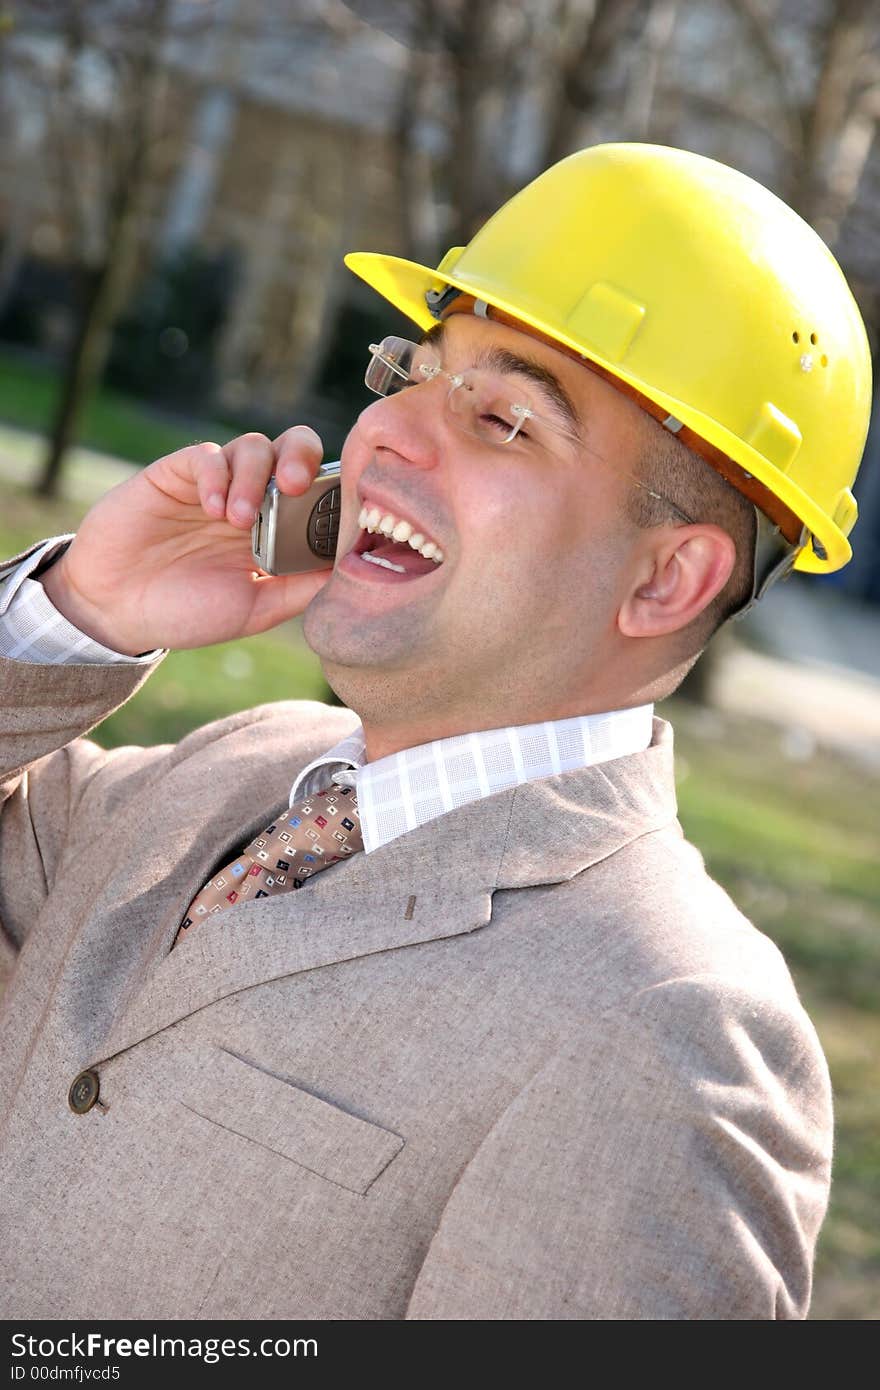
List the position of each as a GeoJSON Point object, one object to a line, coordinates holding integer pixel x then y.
{"type": "Point", "coordinates": [44, 766]}
{"type": "Point", "coordinates": [677, 1169]}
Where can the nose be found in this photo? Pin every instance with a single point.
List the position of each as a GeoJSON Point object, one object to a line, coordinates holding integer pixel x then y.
{"type": "Point", "coordinates": [410, 424]}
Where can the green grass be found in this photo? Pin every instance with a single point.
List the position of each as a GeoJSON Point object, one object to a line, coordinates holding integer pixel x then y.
{"type": "Point", "coordinates": [796, 843]}
{"type": "Point", "coordinates": [192, 688]}
{"type": "Point", "coordinates": [111, 422]}
{"type": "Point", "coordinates": [26, 518]}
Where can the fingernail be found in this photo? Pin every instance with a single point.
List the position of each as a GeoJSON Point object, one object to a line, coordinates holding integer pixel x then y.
{"type": "Point", "coordinates": [216, 503]}
{"type": "Point", "coordinates": [242, 510]}
{"type": "Point", "coordinates": [295, 474]}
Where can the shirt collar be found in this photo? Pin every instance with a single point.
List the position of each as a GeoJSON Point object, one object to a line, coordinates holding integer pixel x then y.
{"type": "Point", "coordinates": [406, 789]}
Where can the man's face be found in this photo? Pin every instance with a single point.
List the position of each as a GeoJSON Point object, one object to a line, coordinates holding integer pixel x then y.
{"type": "Point", "coordinates": [518, 621]}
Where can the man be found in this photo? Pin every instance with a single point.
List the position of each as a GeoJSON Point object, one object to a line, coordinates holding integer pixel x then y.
{"type": "Point", "coordinates": [521, 1058]}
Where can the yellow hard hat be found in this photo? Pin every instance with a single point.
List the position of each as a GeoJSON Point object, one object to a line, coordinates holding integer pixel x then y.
{"type": "Point", "coordinates": [699, 293]}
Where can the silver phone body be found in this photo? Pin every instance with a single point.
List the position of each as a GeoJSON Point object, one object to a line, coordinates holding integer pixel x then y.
{"type": "Point", "coordinates": [294, 534]}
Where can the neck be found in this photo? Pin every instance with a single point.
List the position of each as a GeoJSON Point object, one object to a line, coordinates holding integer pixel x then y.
{"type": "Point", "coordinates": [427, 712]}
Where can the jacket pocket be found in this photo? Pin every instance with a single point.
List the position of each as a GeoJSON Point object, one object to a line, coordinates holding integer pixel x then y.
{"type": "Point", "coordinates": [278, 1115]}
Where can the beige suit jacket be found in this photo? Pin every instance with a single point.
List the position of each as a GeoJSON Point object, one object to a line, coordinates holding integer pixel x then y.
{"type": "Point", "coordinates": [526, 1062]}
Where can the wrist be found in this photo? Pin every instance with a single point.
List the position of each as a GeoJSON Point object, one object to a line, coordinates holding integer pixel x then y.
{"type": "Point", "coordinates": [86, 617]}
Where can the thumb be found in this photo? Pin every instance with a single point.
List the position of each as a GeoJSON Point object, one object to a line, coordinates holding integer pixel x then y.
{"type": "Point", "coordinates": [283, 596]}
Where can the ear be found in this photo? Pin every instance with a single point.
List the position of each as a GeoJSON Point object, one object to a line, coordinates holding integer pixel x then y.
{"type": "Point", "coordinates": [680, 572]}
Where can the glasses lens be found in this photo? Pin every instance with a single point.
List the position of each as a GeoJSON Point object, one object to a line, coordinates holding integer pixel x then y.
{"type": "Point", "coordinates": [396, 363]}
{"type": "Point", "coordinates": [490, 407]}
{"type": "Point", "coordinates": [388, 368]}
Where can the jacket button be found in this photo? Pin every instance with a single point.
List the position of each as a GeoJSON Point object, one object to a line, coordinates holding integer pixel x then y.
{"type": "Point", "coordinates": [83, 1092]}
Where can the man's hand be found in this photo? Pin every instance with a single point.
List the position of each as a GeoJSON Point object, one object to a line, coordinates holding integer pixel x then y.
{"type": "Point", "coordinates": [164, 559]}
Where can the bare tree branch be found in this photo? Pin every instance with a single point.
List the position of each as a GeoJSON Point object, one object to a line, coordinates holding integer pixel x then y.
{"type": "Point", "coordinates": [761, 30]}
{"type": "Point", "coordinates": [642, 101]}
{"type": "Point", "coordinates": [739, 111]}
{"type": "Point", "coordinates": [842, 38]}
{"type": "Point", "coordinates": [575, 84]}
{"type": "Point", "coordinates": [411, 189]}
{"type": "Point", "coordinates": [105, 282]}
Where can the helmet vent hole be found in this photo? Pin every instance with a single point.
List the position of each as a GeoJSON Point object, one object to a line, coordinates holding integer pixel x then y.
{"type": "Point", "coordinates": [795, 337]}
{"type": "Point", "coordinates": [814, 338]}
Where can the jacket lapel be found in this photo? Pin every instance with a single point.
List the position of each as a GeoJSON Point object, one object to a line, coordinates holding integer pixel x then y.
{"type": "Point", "coordinates": [436, 881]}
{"type": "Point", "coordinates": [405, 893]}
{"type": "Point", "coordinates": [560, 826]}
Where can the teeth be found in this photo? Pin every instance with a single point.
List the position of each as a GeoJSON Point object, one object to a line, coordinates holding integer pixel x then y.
{"type": "Point", "coordinates": [386, 564]}
{"type": "Point", "coordinates": [372, 520]}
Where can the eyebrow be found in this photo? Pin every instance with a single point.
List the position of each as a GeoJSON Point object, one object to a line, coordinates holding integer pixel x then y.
{"type": "Point", "coordinates": [500, 359]}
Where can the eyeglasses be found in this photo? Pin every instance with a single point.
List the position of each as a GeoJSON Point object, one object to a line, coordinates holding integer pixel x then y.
{"type": "Point", "coordinates": [488, 405]}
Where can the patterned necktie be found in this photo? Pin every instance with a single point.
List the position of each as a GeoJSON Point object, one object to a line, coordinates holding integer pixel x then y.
{"type": "Point", "coordinates": [311, 835]}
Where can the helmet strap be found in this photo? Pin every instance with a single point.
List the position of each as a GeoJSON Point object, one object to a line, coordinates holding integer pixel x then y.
{"type": "Point", "coordinates": [774, 559]}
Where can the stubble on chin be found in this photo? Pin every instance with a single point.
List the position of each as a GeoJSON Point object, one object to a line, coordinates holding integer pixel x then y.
{"type": "Point", "coordinates": [337, 632]}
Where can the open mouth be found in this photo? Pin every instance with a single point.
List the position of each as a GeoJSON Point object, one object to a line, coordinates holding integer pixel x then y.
{"type": "Point", "coordinates": [394, 544]}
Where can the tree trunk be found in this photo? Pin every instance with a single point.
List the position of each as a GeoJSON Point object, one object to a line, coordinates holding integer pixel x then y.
{"type": "Point", "coordinates": [106, 284]}
{"type": "Point", "coordinates": [105, 287]}
{"type": "Point", "coordinates": [83, 365]}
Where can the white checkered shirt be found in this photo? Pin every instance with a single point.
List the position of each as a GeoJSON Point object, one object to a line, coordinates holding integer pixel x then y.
{"type": "Point", "coordinates": [407, 789]}
{"type": "Point", "coordinates": [395, 794]}
{"type": "Point", "coordinates": [32, 629]}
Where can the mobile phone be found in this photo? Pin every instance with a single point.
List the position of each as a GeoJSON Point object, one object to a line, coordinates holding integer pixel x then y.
{"type": "Point", "coordinates": [294, 534]}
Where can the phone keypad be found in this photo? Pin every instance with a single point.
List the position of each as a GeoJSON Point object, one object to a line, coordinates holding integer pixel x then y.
{"type": "Point", "coordinates": [323, 528]}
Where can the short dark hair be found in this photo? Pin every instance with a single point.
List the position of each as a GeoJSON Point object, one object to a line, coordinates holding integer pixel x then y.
{"type": "Point", "coordinates": [669, 467]}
